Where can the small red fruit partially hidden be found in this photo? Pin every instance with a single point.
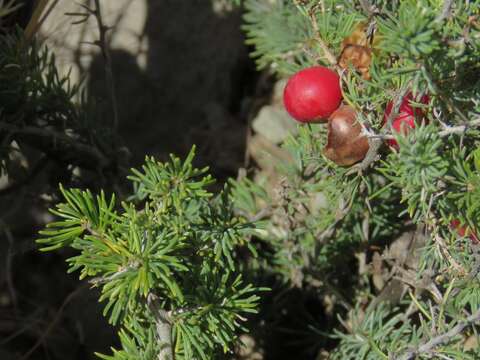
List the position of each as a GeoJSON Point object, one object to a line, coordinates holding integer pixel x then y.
{"type": "Point", "coordinates": [406, 118]}
{"type": "Point", "coordinates": [345, 145]}
{"type": "Point", "coordinates": [312, 94]}
{"type": "Point", "coordinates": [464, 231]}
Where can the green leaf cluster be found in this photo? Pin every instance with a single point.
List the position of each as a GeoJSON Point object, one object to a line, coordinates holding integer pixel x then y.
{"type": "Point", "coordinates": [174, 240]}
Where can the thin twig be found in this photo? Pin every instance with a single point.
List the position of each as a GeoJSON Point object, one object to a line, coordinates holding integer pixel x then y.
{"type": "Point", "coordinates": [326, 51]}
{"type": "Point", "coordinates": [372, 135]}
{"type": "Point", "coordinates": [261, 214]}
{"type": "Point", "coordinates": [444, 250]}
{"type": "Point", "coordinates": [459, 129]}
{"type": "Point", "coordinates": [396, 106]}
{"type": "Point", "coordinates": [106, 279]}
{"type": "Point", "coordinates": [42, 20]}
{"type": "Point", "coordinates": [316, 32]}
{"type": "Point", "coordinates": [163, 322]}
{"type": "Point", "coordinates": [121, 15]}
{"type": "Point", "coordinates": [446, 11]}
{"type": "Point", "coordinates": [104, 46]}
{"type": "Point", "coordinates": [60, 146]}
{"type": "Point", "coordinates": [409, 277]}
{"type": "Point", "coordinates": [368, 8]}
{"type": "Point", "coordinates": [340, 213]}
{"type": "Point", "coordinates": [448, 130]}
{"type": "Point", "coordinates": [429, 346]}
{"type": "Point", "coordinates": [372, 155]}
{"type": "Point", "coordinates": [375, 143]}
{"type": "Point", "coordinates": [52, 324]}
{"type": "Point", "coordinates": [33, 24]}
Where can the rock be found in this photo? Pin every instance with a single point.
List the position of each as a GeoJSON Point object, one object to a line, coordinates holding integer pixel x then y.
{"type": "Point", "coordinates": [378, 273]}
{"type": "Point", "coordinates": [272, 121]}
{"type": "Point", "coordinates": [318, 201]}
{"type": "Point", "coordinates": [471, 343]}
{"type": "Point", "coordinates": [278, 88]}
{"type": "Point", "coordinates": [323, 355]}
{"type": "Point", "coordinates": [266, 154]}
{"type": "Point", "coordinates": [405, 249]}
{"type": "Point", "coordinates": [248, 349]}
{"type": "Point", "coordinates": [3, 180]}
{"type": "Point", "coordinates": [274, 124]}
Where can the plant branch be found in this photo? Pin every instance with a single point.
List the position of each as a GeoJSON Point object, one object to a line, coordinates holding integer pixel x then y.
{"type": "Point", "coordinates": [54, 322]}
{"type": "Point", "coordinates": [446, 11]}
{"type": "Point", "coordinates": [446, 253]}
{"type": "Point", "coordinates": [260, 215]}
{"type": "Point", "coordinates": [459, 129]}
{"type": "Point", "coordinates": [104, 46]}
{"type": "Point", "coordinates": [311, 14]}
{"type": "Point", "coordinates": [326, 51]}
{"type": "Point", "coordinates": [106, 279]}
{"type": "Point", "coordinates": [375, 142]}
{"type": "Point", "coordinates": [429, 346]}
{"type": "Point", "coordinates": [34, 23]}
{"type": "Point", "coordinates": [448, 130]}
{"type": "Point", "coordinates": [38, 24]}
{"type": "Point", "coordinates": [372, 155]}
{"type": "Point", "coordinates": [59, 146]}
{"type": "Point", "coordinates": [368, 8]}
{"type": "Point", "coordinates": [163, 327]}
{"type": "Point", "coordinates": [316, 33]}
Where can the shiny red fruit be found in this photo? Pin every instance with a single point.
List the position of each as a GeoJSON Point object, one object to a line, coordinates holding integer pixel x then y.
{"type": "Point", "coordinates": [407, 116]}
{"type": "Point", "coordinates": [463, 230]}
{"type": "Point", "coordinates": [312, 94]}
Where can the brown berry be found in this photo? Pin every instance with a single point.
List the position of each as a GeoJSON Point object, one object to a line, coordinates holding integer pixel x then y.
{"type": "Point", "coordinates": [357, 37]}
{"type": "Point", "coordinates": [358, 48]}
{"type": "Point", "coordinates": [359, 57]}
{"type": "Point", "coordinates": [345, 145]}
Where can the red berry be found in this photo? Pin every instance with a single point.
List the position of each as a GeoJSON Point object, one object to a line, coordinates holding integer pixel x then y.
{"type": "Point", "coordinates": [406, 117]}
{"type": "Point", "coordinates": [462, 231]}
{"type": "Point", "coordinates": [312, 94]}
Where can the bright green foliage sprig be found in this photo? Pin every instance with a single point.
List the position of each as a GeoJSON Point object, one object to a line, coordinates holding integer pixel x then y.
{"type": "Point", "coordinates": [175, 242]}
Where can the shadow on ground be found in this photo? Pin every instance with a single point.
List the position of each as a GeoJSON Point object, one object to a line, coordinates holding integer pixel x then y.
{"type": "Point", "coordinates": [197, 77]}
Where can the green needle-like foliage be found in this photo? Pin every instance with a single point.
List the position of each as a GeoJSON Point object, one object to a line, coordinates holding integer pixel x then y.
{"type": "Point", "coordinates": [337, 231]}
{"type": "Point", "coordinates": [40, 109]}
{"type": "Point", "coordinates": [175, 241]}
